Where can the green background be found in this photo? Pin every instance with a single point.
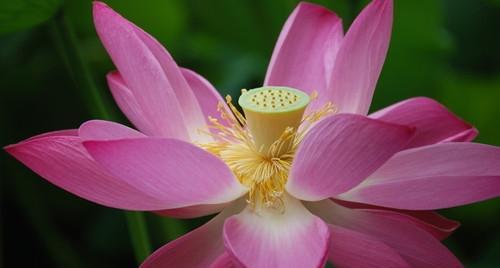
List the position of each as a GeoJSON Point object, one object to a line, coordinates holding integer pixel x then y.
{"type": "Point", "coordinates": [448, 50]}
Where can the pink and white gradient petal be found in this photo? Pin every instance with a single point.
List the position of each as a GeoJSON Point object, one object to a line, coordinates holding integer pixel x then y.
{"type": "Point", "coordinates": [62, 160]}
{"type": "Point", "coordinates": [305, 52]}
{"type": "Point", "coordinates": [197, 249]}
{"type": "Point", "coordinates": [164, 168]}
{"type": "Point", "coordinates": [340, 151]}
{"type": "Point", "coordinates": [433, 177]}
{"type": "Point", "coordinates": [270, 239]}
{"type": "Point", "coordinates": [360, 58]}
{"type": "Point", "coordinates": [416, 246]}
{"type": "Point", "coordinates": [351, 249]}
{"type": "Point", "coordinates": [142, 73]}
{"type": "Point", "coordinates": [433, 122]}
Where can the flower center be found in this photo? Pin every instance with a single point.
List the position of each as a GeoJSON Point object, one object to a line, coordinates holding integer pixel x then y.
{"type": "Point", "coordinates": [259, 148]}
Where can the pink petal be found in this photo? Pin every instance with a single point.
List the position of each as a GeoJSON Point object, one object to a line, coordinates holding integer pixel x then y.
{"type": "Point", "coordinates": [64, 132]}
{"type": "Point", "coordinates": [106, 130]}
{"type": "Point", "coordinates": [128, 104]}
{"type": "Point", "coordinates": [63, 161]}
{"type": "Point", "coordinates": [417, 247]}
{"type": "Point", "coordinates": [224, 261]}
{"type": "Point", "coordinates": [275, 239]}
{"type": "Point", "coordinates": [180, 173]}
{"type": "Point", "coordinates": [142, 73]}
{"type": "Point", "coordinates": [433, 122]}
{"type": "Point", "coordinates": [305, 52]}
{"type": "Point", "coordinates": [208, 97]}
{"type": "Point", "coordinates": [197, 249]}
{"type": "Point", "coordinates": [349, 248]}
{"type": "Point", "coordinates": [435, 224]}
{"type": "Point", "coordinates": [341, 151]}
{"type": "Point", "coordinates": [433, 177]}
{"type": "Point", "coordinates": [464, 136]}
{"type": "Point", "coordinates": [192, 211]}
{"type": "Point", "coordinates": [360, 58]}
{"type": "Point", "coordinates": [191, 110]}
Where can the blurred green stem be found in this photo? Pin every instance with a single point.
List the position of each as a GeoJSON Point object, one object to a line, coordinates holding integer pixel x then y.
{"type": "Point", "coordinates": [173, 228]}
{"type": "Point", "coordinates": [139, 235]}
{"type": "Point", "coordinates": [65, 39]}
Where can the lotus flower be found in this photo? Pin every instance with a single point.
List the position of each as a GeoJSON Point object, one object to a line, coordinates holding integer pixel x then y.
{"type": "Point", "coordinates": [304, 178]}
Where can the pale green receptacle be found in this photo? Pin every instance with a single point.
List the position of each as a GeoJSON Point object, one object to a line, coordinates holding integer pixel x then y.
{"type": "Point", "coordinates": [270, 110]}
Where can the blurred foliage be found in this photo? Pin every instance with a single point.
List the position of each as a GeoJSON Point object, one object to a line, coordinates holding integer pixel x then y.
{"type": "Point", "coordinates": [22, 14]}
{"type": "Point", "coordinates": [447, 50]}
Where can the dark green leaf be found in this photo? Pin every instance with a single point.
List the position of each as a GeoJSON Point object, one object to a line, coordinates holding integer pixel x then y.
{"type": "Point", "coordinates": [22, 14]}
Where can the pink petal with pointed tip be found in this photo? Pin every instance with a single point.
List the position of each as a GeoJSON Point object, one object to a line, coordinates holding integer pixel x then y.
{"type": "Point", "coordinates": [433, 122]}
{"type": "Point", "coordinates": [435, 224]}
{"type": "Point", "coordinates": [433, 177]}
{"type": "Point", "coordinates": [106, 130]}
{"type": "Point", "coordinates": [351, 249]}
{"type": "Point", "coordinates": [128, 105]}
{"type": "Point", "coordinates": [417, 247]}
{"type": "Point", "coordinates": [305, 52]}
{"type": "Point", "coordinates": [177, 172]}
{"type": "Point", "coordinates": [464, 136]}
{"type": "Point", "coordinates": [141, 72]}
{"type": "Point", "coordinates": [271, 239]}
{"type": "Point", "coordinates": [341, 151]}
{"type": "Point", "coordinates": [191, 110]}
{"type": "Point", "coordinates": [63, 161]}
{"type": "Point", "coordinates": [197, 249]}
{"type": "Point", "coordinates": [360, 58]}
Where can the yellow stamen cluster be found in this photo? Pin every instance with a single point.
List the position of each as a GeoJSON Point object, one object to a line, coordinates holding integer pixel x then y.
{"type": "Point", "coordinates": [264, 170]}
